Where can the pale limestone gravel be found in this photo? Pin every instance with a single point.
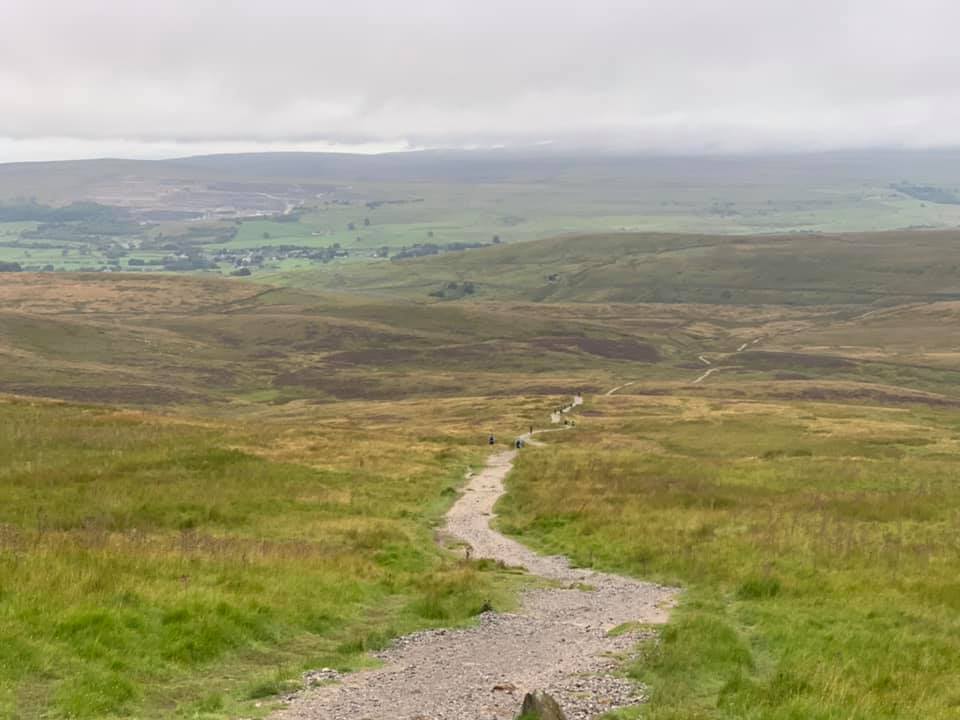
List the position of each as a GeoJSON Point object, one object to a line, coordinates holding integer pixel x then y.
{"type": "Point", "coordinates": [558, 641]}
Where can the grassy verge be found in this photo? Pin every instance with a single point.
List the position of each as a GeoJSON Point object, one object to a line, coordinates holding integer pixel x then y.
{"type": "Point", "coordinates": [817, 545]}
{"type": "Point", "coordinates": [152, 567]}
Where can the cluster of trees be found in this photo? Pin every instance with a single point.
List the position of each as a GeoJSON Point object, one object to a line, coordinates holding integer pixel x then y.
{"type": "Point", "coordinates": [423, 249]}
{"type": "Point", "coordinates": [256, 256]}
{"type": "Point", "coordinates": [174, 263]}
{"type": "Point", "coordinates": [454, 290]}
{"type": "Point", "coordinates": [32, 211]}
{"type": "Point", "coordinates": [83, 229]}
{"type": "Point", "coordinates": [374, 204]}
{"type": "Point", "coordinates": [194, 236]}
{"type": "Point", "coordinates": [188, 263]}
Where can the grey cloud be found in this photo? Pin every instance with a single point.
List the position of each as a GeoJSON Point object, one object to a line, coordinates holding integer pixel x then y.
{"type": "Point", "coordinates": [670, 75]}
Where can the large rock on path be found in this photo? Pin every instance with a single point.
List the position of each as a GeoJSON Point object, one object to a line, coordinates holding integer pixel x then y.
{"type": "Point", "coordinates": [541, 706]}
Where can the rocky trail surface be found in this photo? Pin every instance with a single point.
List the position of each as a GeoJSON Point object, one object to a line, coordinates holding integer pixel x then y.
{"type": "Point", "coordinates": [558, 641]}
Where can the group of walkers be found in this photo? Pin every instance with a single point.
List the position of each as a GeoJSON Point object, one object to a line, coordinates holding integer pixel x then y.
{"type": "Point", "coordinates": [518, 443]}
{"type": "Point", "coordinates": [521, 442]}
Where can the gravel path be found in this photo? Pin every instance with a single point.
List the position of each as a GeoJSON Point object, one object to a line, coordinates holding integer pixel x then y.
{"type": "Point", "coordinates": [707, 374]}
{"type": "Point", "coordinates": [613, 391]}
{"type": "Point", "coordinates": [558, 642]}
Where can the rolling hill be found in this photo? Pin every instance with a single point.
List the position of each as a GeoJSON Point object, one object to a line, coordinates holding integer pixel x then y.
{"type": "Point", "coordinates": [793, 269]}
{"type": "Point", "coordinates": [212, 485]}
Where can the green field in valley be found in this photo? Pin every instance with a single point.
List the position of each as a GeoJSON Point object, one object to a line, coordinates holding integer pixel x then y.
{"type": "Point", "coordinates": [275, 215]}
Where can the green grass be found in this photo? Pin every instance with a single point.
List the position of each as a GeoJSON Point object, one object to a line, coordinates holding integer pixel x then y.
{"type": "Point", "coordinates": [816, 546]}
{"type": "Point", "coordinates": [281, 514]}
{"type": "Point", "coordinates": [150, 566]}
{"type": "Point", "coordinates": [794, 270]}
{"type": "Point", "coordinates": [473, 197]}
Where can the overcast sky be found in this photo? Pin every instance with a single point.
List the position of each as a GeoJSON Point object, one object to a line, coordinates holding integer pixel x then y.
{"type": "Point", "coordinates": [150, 78]}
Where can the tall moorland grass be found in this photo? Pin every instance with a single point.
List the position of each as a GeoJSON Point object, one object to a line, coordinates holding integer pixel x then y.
{"type": "Point", "coordinates": [154, 566]}
{"type": "Point", "coordinates": [818, 547]}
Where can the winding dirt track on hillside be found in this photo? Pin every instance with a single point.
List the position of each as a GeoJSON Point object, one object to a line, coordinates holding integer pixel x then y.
{"type": "Point", "coordinates": [712, 370]}
{"type": "Point", "coordinates": [558, 641]}
{"type": "Point", "coordinates": [707, 374]}
{"type": "Point", "coordinates": [613, 391]}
